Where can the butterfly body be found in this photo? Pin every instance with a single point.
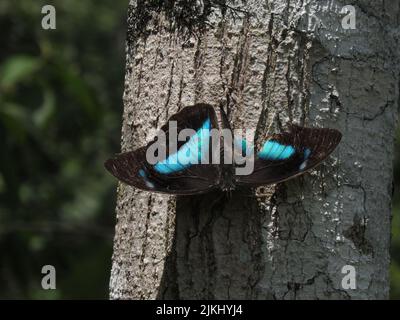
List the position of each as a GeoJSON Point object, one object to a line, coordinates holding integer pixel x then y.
{"type": "Point", "coordinates": [207, 159]}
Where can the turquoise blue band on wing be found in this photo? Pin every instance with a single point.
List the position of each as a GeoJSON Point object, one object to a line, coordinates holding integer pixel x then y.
{"type": "Point", "coordinates": [273, 150]}
{"type": "Point", "coordinates": [190, 153]}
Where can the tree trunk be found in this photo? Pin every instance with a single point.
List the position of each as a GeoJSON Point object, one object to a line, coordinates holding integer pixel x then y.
{"type": "Point", "coordinates": [268, 63]}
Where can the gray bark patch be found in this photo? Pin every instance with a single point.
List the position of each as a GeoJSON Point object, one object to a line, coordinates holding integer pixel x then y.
{"type": "Point", "coordinates": [356, 233]}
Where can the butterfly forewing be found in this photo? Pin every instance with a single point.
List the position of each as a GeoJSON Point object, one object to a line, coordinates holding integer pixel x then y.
{"type": "Point", "coordinates": [171, 174]}
{"type": "Point", "coordinates": [289, 154]}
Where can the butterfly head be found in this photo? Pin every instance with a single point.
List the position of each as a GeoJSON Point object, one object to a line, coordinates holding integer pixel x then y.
{"type": "Point", "coordinates": [228, 183]}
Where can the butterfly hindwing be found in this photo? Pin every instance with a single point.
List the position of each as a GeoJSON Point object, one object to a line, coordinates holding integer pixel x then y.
{"type": "Point", "coordinates": [182, 170]}
{"type": "Point", "coordinates": [289, 154]}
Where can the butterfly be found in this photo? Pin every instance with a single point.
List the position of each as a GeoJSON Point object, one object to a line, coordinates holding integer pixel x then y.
{"type": "Point", "coordinates": [180, 168]}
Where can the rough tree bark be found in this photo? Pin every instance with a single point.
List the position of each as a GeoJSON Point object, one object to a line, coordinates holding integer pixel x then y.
{"type": "Point", "coordinates": [266, 62]}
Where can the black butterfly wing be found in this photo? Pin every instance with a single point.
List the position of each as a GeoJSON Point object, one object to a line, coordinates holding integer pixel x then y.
{"type": "Point", "coordinates": [134, 169]}
{"type": "Point", "coordinates": [290, 154]}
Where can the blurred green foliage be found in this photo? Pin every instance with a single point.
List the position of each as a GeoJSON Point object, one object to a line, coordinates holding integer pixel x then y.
{"type": "Point", "coordinates": [60, 110]}
{"type": "Point", "coordinates": [395, 245]}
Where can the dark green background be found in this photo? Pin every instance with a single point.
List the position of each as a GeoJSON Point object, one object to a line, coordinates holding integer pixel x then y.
{"type": "Point", "coordinates": [60, 117]}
